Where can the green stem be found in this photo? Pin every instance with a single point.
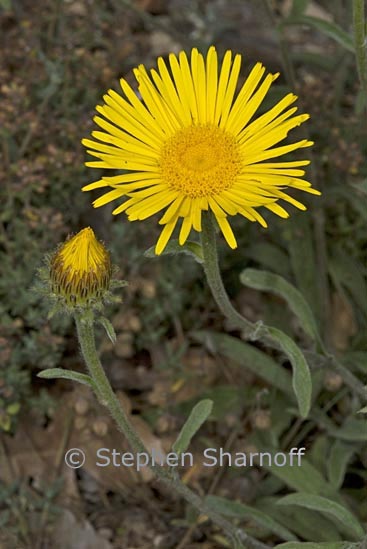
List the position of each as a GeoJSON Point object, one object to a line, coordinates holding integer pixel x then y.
{"type": "Point", "coordinates": [359, 26]}
{"type": "Point", "coordinates": [214, 278]}
{"type": "Point", "coordinates": [107, 397]}
{"type": "Point", "coordinates": [251, 331]}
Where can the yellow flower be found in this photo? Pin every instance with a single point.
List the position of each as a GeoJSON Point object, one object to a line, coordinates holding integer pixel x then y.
{"type": "Point", "coordinates": [80, 270]}
{"type": "Point", "coordinates": [191, 144]}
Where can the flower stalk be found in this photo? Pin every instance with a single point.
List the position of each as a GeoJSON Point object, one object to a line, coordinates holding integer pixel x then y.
{"type": "Point", "coordinates": [214, 278]}
{"type": "Point", "coordinates": [105, 394]}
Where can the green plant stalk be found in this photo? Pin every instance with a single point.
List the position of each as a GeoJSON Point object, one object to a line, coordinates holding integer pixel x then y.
{"type": "Point", "coordinates": [251, 331]}
{"type": "Point", "coordinates": [105, 394]}
{"type": "Point", "coordinates": [359, 27]}
{"type": "Point", "coordinates": [258, 331]}
{"type": "Point", "coordinates": [214, 278]}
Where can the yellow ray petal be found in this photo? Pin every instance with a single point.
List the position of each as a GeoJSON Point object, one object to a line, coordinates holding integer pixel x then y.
{"type": "Point", "coordinates": [212, 82]}
{"type": "Point", "coordinates": [196, 214]}
{"type": "Point", "coordinates": [274, 136]}
{"type": "Point", "coordinates": [216, 209]}
{"type": "Point", "coordinates": [222, 86]}
{"type": "Point", "coordinates": [180, 85]}
{"type": "Point", "coordinates": [253, 104]}
{"type": "Point", "coordinates": [172, 211]}
{"type": "Point", "coordinates": [127, 143]}
{"type": "Point", "coordinates": [278, 210]}
{"type": "Point", "coordinates": [231, 88]}
{"type": "Point", "coordinates": [189, 86]}
{"type": "Point", "coordinates": [164, 83]}
{"type": "Point", "coordinates": [123, 206]}
{"type": "Point", "coordinates": [199, 81]}
{"type": "Point", "coordinates": [228, 205]}
{"type": "Point", "coordinates": [150, 206]}
{"type": "Point", "coordinates": [96, 185]}
{"type": "Point", "coordinates": [108, 197]}
{"type": "Point", "coordinates": [227, 232]}
{"type": "Point", "coordinates": [165, 236]}
{"type": "Point", "coordinates": [244, 95]}
{"type": "Point", "coordinates": [274, 153]}
{"type": "Point", "coordinates": [185, 229]}
{"type": "Point", "coordinates": [267, 118]}
{"type": "Point", "coordinates": [129, 115]}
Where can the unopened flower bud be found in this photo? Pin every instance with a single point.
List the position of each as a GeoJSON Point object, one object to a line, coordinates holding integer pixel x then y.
{"type": "Point", "coordinates": [81, 270]}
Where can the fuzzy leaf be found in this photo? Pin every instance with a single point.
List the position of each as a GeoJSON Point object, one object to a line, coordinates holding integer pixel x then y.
{"type": "Point", "coordinates": [302, 383]}
{"type": "Point", "coordinates": [173, 247]}
{"type": "Point", "coordinates": [60, 373]}
{"type": "Point", "coordinates": [325, 27]}
{"type": "Point", "coordinates": [235, 509]}
{"type": "Point", "coordinates": [269, 282]}
{"type": "Point", "coordinates": [110, 330]}
{"type": "Point", "coordinates": [340, 455]}
{"type": "Point", "coordinates": [199, 414]}
{"type": "Point", "coordinates": [247, 356]}
{"type": "Point", "coordinates": [333, 510]}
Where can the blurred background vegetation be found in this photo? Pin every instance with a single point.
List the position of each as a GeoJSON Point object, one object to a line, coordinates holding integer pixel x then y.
{"type": "Point", "coordinates": [173, 348]}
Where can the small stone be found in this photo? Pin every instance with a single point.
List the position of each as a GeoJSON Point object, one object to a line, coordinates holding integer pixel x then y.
{"type": "Point", "coordinates": [81, 406]}
{"type": "Point", "coordinates": [80, 422]}
{"type": "Point", "coordinates": [100, 427]}
{"type": "Point", "coordinates": [261, 419]}
{"type": "Point", "coordinates": [148, 289]}
{"type": "Point", "coordinates": [333, 381]}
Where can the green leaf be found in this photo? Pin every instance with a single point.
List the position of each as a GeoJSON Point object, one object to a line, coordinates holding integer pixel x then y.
{"type": "Point", "coordinates": [307, 525]}
{"type": "Point", "coordinates": [318, 545]}
{"type": "Point", "coordinates": [302, 383]}
{"type": "Point", "coordinates": [353, 430]}
{"type": "Point", "coordinates": [247, 356]}
{"type": "Point", "coordinates": [60, 373]}
{"type": "Point", "coordinates": [110, 330]}
{"type": "Point", "coordinates": [339, 456]}
{"type": "Point", "coordinates": [343, 517]}
{"type": "Point", "coordinates": [235, 509]}
{"type": "Point", "coordinates": [325, 27]}
{"type": "Point", "coordinates": [299, 237]}
{"type": "Point", "coordinates": [301, 475]}
{"type": "Point", "coordinates": [269, 282]}
{"type": "Point", "coordinates": [348, 274]}
{"type": "Point", "coordinates": [199, 414]}
{"type": "Point", "coordinates": [173, 247]}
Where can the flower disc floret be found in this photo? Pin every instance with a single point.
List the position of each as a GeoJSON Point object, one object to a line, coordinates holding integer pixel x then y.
{"type": "Point", "coordinates": [200, 161]}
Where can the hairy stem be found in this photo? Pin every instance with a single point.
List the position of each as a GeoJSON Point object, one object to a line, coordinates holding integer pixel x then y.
{"type": "Point", "coordinates": [108, 398]}
{"type": "Point", "coordinates": [214, 278]}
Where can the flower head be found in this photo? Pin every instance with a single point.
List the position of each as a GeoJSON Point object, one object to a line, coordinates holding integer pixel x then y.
{"type": "Point", "coordinates": [80, 270]}
{"type": "Point", "coordinates": [192, 144]}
